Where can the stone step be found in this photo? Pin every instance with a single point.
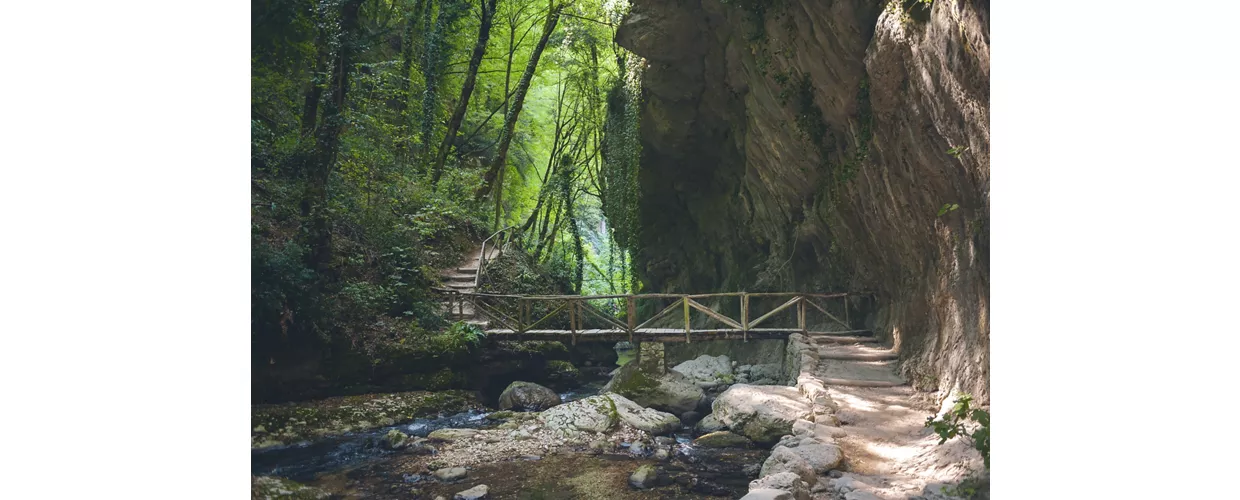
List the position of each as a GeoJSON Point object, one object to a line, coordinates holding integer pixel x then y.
{"type": "Point", "coordinates": [459, 276]}
{"type": "Point", "coordinates": [846, 340]}
{"type": "Point", "coordinates": [861, 383]}
{"type": "Point", "coordinates": [887, 356]}
{"type": "Point", "coordinates": [860, 373]}
{"type": "Point", "coordinates": [469, 269]}
{"type": "Point", "coordinates": [845, 333]}
{"type": "Point", "coordinates": [461, 285]}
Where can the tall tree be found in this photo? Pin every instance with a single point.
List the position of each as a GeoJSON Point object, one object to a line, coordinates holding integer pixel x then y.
{"type": "Point", "coordinates": [467, 89]}
{"type": "Point", "coordinates": [510, 122]}
{"type": "Point", "coordinates": [327, 141]}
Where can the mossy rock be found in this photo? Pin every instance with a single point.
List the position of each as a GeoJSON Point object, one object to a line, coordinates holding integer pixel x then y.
{"type": "Point", "coordinates": [723, 439]}
{"type": "Point", "coordinates": [670, 392]}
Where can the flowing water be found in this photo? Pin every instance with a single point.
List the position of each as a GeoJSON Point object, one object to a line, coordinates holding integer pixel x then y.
{"type": "Point", "coordinates": [359, 464]}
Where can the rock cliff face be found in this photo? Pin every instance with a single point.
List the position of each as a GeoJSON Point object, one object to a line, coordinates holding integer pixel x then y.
{"type": "Point", "coordinates": [811, 145]}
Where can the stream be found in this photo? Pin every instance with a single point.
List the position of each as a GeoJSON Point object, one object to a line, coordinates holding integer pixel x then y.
{"type": "Point", "coordinates": [358, 463]}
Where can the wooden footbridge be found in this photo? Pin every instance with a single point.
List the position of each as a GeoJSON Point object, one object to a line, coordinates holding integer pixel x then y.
{"type": "Point", "coordinates": [686, 318]}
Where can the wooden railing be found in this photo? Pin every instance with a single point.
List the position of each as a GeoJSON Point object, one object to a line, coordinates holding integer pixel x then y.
{"type": "Point", "coordinates": [498, 240]}
{"type": "Point", "coordinates": [619, 314]}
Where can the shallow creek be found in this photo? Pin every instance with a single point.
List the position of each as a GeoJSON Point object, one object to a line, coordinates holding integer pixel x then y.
{"type": "Point", "coordinates": [358, 465]}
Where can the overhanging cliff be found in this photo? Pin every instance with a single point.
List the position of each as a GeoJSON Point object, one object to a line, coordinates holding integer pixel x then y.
{"type": "Point", "coordinates": [811, 145]}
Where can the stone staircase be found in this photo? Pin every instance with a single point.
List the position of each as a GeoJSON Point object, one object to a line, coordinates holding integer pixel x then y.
{"type": "Point", "coordinates": [463, 279]}
{"type": "Point", "coordinates": [855, 358]}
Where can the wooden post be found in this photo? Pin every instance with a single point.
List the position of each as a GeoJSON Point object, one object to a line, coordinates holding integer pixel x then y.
{"type": "Point", "coordinates": [632, 316]}
{"type": "Point", "coordinates": [846, 320]}
{"type": "Point", "coordinates": [572, 320]}
{"type": "Point", "coordinates": [801, 315]}
{"type": "Point", "coordinates": [745, 317]}
{"type": "Point", "coordinates": [685, 301]}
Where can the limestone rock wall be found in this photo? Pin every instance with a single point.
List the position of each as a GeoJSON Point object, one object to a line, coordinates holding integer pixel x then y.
{"type": "Point", "coordinates": [797, 144]}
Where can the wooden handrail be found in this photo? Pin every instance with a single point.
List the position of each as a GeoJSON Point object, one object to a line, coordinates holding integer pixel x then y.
{"type": "Point", "coordinates": [521, 319]}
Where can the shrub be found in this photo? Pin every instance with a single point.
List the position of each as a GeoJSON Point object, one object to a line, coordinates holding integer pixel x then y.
{"type": "Point", "coordinates": [962, 420]}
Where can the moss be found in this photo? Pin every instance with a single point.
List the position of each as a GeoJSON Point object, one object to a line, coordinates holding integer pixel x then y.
{"type": "Point", "coordinates": [562, 368]}
{"type": "Point", "coordinates": [547, 349]}
{"type": "Point", "coordinates": [632, 383]}
{"type": "Point", "coordinates": [294, 422]}
{"type": "Point", "coordinates": [264, 487]}
{"type": "Point", "coordinates": [500, 415]}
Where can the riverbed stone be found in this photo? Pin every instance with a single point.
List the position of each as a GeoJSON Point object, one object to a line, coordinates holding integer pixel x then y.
{"type": "Point", "coordinates": [670, 392]}
{"type": "Point", "coordinates": [787, 481]}
{"type": "Point", "coordinates": [395, 439]}
{"type": "Point", "coordinates": [821, 457]}
{"type": "Point", "coordinates": [592, 414]}
{"type": "Point", "coordinates": [527, 396]}
{"type": "Point", "coordinates": [647, 419]}
{"type": "Point", "coordinates": [722, 439]}
{"type": "Point", "coordinates": [761, 413]}
{"type": "Point", "coordinates": [450, 474]}
{"type": "Point", "coordinates": [476, 493]}
{"type": "Point", "coordinates": [768, 494]}
{"type": "Point", "coordinates": [646, 476]}
{"type": "Point", "coordinates": [785, 460]}
{"type": "Point", "coordinates": [707, 371]}
{"type": "Point", "coordinates": [708, 424]}
{"type": "Point", "coordinates": [452, 434]}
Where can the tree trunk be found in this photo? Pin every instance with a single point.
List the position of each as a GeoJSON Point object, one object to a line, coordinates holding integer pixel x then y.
{"type": "Point", "coordinates": [423, 7]}
{"type": "Point", "coordinates": [328, 138]}
{"type": "Point", "coordinates": [467, 89]}
{"type": "Point", "coordinates": [510, 123]}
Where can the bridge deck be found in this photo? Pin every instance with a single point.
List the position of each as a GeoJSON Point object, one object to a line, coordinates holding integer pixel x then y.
{"type": "Point", "coordinates": [643, 334]}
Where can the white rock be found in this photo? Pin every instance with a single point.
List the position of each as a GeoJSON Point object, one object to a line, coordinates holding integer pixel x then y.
{"type": "Point", "coordinates": [787, 481]}
{"type": "Point", "coordinates": [761, 413]}
{"type": "Point", "coordinates": [476, 493]}
{"type": "Point", "coordinates": [450, 474]}
{"type": "Point", "coordinates": [785, 460]}
{"type": "Point", "coordinates": [706, 371]}
{"type": "Point", "coordinates": [646, 419]}
{"type": "Point", "coordinates": [768, 494]}
{"type": "Point", "coordinates": [592, 414]}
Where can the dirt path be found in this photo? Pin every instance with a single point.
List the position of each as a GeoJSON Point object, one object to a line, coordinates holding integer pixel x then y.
{"type": "Point", "coordinates": [888, 451]}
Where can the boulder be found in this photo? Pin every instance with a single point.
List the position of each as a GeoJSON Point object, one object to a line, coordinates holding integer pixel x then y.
{"type": "Point", "coordinates": [861, 495]}
{"type": "Point", "coordinates": [646, 419]}
{"type": "Point", "coordinates": [761, 413]}
{"type": "Point", "coordinates": [450, 474]}
{"type": "Point", "coordinates": [527, 396]}
{"type": "Point", "coordinates": [691, 417]}
{"type": "Point", "coordinates": [821, 457]}
{"type": "Point", "coordinates": [784, 460]}
{"type": "Point", "coordinates": [670, 392]}
{"type": "Point", "coordinates": [708, 424]}
{"type": "Point", "coordinates": [707, 371]}
{"type": "Point", "coordinates": [452, 434]}
{"type": "Point", "coordinates": [646, 476]}
{"type": "Point", "coordinates": [592, 414]}
{"type": "Point", "coordinates": [768, 494]}
{"type": "Point", "coordinates": [476, 493]}
{"type": "Point", "coordinates": [722, 439]}
{"type": "Point", "coordinates": [786, 481]}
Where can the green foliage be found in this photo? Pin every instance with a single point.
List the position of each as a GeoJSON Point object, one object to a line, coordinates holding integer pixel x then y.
{"type": "Point", "coordinates": [957, 150]}
{"type": "Point", "coordinates": [347, 241]}
{"type": "Point", "coordinates": [966, 422]}
{"type": "Point", "coordinates": [947, 207]}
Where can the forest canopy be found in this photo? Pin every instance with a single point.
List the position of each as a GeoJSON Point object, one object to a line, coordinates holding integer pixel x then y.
{"type": "Point", "coordinates": [390, 136]}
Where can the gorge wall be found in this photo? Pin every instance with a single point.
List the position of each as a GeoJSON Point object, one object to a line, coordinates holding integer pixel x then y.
{"type": "Point", "coordinates": [811, 145]}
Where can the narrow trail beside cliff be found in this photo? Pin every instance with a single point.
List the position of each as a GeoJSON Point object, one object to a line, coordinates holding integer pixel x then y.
{"type": "Point", "coordinates": [888, 451]}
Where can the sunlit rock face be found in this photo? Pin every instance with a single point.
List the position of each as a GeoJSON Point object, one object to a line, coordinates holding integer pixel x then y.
{"type": "Point", "coordinates": [750, 125]}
